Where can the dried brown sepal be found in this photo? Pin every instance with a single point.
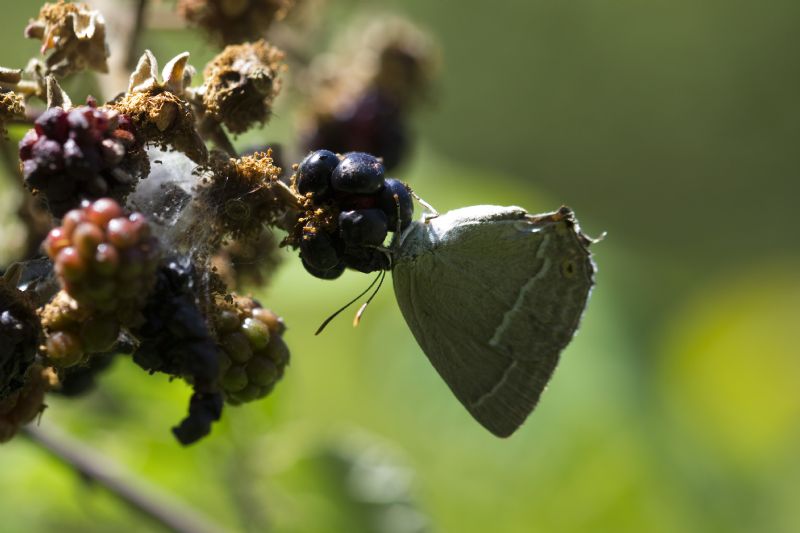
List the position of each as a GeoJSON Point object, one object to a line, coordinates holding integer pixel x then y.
{"type": "Point", "coordinates": [242, 195]}
{"type": "Point", "coordinates": [12, 107]}
{"type": "Point", "coordinates": [312, 218]}
{"type": "Point", "coordinates": [75, 34]}
{"type": "Point", "coordinates": [241, 84]}
{"type": "Point", "coordinates": [26, 403]}
{"type": "Point", "coordinates": [158, 109]}
{"type": "Point", "coordinates": [234, 21]}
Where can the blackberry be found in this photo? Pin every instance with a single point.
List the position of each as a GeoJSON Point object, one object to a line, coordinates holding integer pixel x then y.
{"type": "Point", "coordinates": [363, 227]}
{"type": "Point", "coordinates": [84, 153]}
{"type": "Point", "coordinates": [104, 259]}
{"type": "Point", "coordinates": [174, 339]}
{"type": "Point", "coordinates": [320, 249]}
{"type": "Point", "coordinates": [358, 173]}
{"type": "Point", "coordinates": [365, 259]}
{"type": "Point", "coordinates": [331, 273]}
{"type": "Point", "coordinates": [19, 337]}
{"type": "Point", "coordinates": [74, 333]}
{"type": "Point", "coordinates": [253, 355]}
{"type": "Point", "coordinates": [314, 174]}
{"type": "Point", "coordinates": [403, 204]}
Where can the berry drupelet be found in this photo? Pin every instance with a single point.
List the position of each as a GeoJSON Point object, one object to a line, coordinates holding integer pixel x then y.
{"type": "Point", "coordinates": [84, 153]}
{"type": "Point", "coordinates": [350, 209]}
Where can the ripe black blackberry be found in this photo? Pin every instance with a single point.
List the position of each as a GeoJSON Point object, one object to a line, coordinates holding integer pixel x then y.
{"type": "Point", "coordinates": [84, 153]}
{"type": "Point", "coordinates": [350, 209]}
{"type": "Point", "coordinates": [175, 340]}
{"type": "Point", "coordinates": [105, 259]}
{"type": "Point", "coordinates": [253, 355]}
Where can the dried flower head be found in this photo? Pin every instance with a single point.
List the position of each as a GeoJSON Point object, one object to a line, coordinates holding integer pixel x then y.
{"type": "Point", "coordinates": [234, 21]}
{"type": "Point", "coordinates": [158, 108]}
{"type": "Point", "coordinates": [12, 106]}
{"type": "Point", "coordinates": [241, 83]}
{"type": "Point", "coordinates": [75, 33]}
{"type": "Point", "coordinates": [242, 195]}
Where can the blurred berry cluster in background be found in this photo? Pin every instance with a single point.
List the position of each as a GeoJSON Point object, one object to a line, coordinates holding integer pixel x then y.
{"type": "Point", "coordinates": [171, 223]}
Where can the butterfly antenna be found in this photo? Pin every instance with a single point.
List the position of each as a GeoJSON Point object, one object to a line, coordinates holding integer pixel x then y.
{"type": "Point", "coordinates": [423, 203]}
{"type": "Point", "coordinates": [348, 304]}
{"type": "Point", "coordinates": [357, 318]}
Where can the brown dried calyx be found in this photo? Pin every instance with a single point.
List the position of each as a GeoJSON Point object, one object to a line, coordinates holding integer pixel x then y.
{"type": "Point", "coordinates": [12, 106]}
{"type": "Point", "coordinates": [242, 195]}
{"type": "Point", "coordinates": [75, 33]}
{"type": "Point", "coordinates": [241, 84]}
{"type": "Point", "coordinates": [159, 109]}
{"type": "Point", "coordinates": [234, 21]}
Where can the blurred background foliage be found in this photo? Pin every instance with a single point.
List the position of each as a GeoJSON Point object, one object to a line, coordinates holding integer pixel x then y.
{"type": "Point", "coordinates": [672, 125]}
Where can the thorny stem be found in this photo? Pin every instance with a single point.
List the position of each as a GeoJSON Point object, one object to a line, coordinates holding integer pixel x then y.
{"type": "Point", "coordinates": [94, 467]}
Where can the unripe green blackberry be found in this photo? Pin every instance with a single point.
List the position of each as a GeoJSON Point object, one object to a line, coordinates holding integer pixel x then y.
{"type": "Point", "coordinates": [84, 153]}
{"type": "Point", "coordinates": [253, 355]}
{"type": "Point", "coordinates": [73, 332]}
{"type": "Point", "coordinates": [106, 260]}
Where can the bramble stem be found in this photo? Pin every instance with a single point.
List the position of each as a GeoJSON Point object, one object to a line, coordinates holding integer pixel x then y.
{"type": "Point", "coordinates": [145, 499]}
{"type": "Point", "coordinates": [135, 36]}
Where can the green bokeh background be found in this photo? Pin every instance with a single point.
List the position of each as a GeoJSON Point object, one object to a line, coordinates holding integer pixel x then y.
{"type": "Point", "coordinates": [672, 125]}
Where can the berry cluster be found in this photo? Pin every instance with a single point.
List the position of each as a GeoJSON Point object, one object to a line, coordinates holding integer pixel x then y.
{"type": "Point", "coordinates": [84, 153]}
{"type": "Point", "coordinates": [174, 339]}
{"type": "Point", "coordinates": [105, 260]}
{"type": "Point", "coordinates": [352, 209]}
{"type": "Point", "coordinates": [253, 354]}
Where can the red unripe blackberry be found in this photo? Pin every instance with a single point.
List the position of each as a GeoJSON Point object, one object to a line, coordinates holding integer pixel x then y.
{"type": "Point", "coordinates": [105, 260]}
